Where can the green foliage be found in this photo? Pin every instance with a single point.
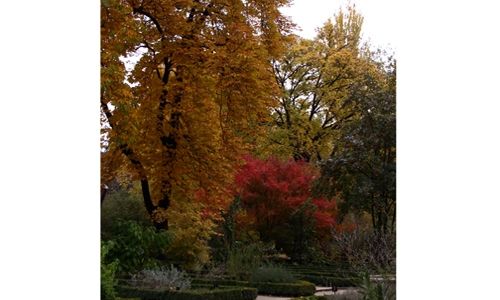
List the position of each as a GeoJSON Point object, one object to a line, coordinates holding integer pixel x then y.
{"type": "Point", "coordinates": [326, 275]}
{"type": "Point", "coordinates": [297, 288]}
{"type": "Point", "coordinates": [191, 232]}
{"type": "Point", "coordinates": [222, 244]}
{"type": "Point", "coordinates": [231, 293]}
{"type": "Point", "coordinates": [376, 290]}
{"type": "Point", "coordinates": [272, 274]}
{"type": "Point", "coordinates": [138, 247]}
{"type": "Point", "coordinates": [330, 280]}
{"type": "Point", "coordinates": [302, 229]}
{"type": "Point", "coordinates": [108, 271]}
{"type": "Point", "coordinates": [219, 282]}
{"type": "Point", "coordinates": [362, 167]}
{"type": "Point", "coordinates": [289, 289]}
{"type": "Point", "coordinates": [122, 204]}
{"type": "Point", "coordinates": [162, 278]}
{"type": "Point", "coordinates": [243, 260]}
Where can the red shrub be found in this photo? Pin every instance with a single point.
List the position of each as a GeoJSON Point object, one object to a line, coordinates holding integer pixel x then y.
{"type": "Point", "coordinates": [273, 190]}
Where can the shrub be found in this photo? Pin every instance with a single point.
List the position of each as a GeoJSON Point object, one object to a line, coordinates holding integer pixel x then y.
{"type": "Point", "coordinates": [231, 293]}
{"type": "Point", "coordinates": [297, 288]}
{"type": "Point", "coordinates": [171, 279]}
{"type": "Point", "coordinates": [328, 280]}
{"type": "Point", "coordinates": [243, 260]}
{"type": "Point", "coordinates": [138, 247]}
{"type": "Point", "coordinates": [108, 270]}
{"type": "Point", "coordinates": [271, 274]}
{"type": "Point", "coordinates": [382, 290]}
{"type": "Point", "coordinates": [366, 251]}
{"type": "Point", "coordinates": [220, 282]}
{"type": "Point", "coordinates": [191, 230]}
{"type": "Point", "coordinates": [276, 196]}
{"type": "Point", "coordinates": [120, 205]}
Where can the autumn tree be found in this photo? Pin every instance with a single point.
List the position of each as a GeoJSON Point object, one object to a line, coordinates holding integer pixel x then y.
{"type": "Point", "coordinates": [194, 100]}
{"type": "Point", "coordinates": [337, 110]}
{"type": "Point", "coordinates": [316, 78]}
{"type": "Point", "coordinates": [277, 196]}
{"type": "Point", "coordinates": [362, 165]}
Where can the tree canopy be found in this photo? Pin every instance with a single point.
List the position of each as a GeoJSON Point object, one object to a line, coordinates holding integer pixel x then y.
{"type": "Point", "coordinates": [195, 98]}
{"type": "Point", "coordinates": [316, 78]}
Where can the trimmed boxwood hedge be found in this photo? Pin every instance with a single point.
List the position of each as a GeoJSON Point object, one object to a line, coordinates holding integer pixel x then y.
{"type": "Point", "coordinates": [328, 281]}
{"type": "Point", "coordinates": [298, 288]}
{"type": "Point", "coordinates": [231, 293]}
{"type": "Point", "coordinates": [326, 273]}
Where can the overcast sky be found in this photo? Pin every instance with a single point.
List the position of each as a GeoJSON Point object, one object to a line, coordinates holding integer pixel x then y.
{"type": "Point", "coordinates": [378, 26]}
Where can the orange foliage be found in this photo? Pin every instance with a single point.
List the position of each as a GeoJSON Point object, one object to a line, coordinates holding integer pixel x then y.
{"type": "Point", "coordinates": [199, 92]}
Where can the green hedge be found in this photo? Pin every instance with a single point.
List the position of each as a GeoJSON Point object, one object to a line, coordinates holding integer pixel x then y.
{"type": "Point", "coordinates": [330, 273]}
{"type": "Point", "coordinates": [232, 293]}
{"type": "Point", "coordinates": [299, 288]}
{"type": "Point", "coordinates": [328, 281]}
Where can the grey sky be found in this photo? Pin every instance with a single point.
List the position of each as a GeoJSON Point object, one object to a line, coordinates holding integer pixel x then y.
{"type": "Point", "coordinates": [379, 22]}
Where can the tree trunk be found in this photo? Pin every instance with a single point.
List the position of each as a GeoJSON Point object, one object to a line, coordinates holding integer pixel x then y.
{"type": "Point", "coordinates": [104, 190]}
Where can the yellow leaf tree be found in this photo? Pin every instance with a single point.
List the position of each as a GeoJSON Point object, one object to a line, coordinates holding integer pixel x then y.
{"type": "Point", "coordinates": [203, 83]}
{"type": "Point", "coordinates": [316, 78]}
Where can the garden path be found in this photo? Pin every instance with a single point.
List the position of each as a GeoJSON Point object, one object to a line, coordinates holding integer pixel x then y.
{"type": "Point", "coordinates": [321, 292]}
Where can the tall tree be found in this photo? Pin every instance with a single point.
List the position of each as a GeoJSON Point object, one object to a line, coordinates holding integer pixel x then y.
{"type": "Point", "coordinates": [362, 165]}
{"type": "Point", "coordinates": [316, 78]}
{"type": "Point", "coordinates": [194, 98]}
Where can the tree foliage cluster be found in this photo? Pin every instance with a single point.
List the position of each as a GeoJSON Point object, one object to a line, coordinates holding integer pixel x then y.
{"type": "Point", "coordinates": [223, 102]}
{"type": "Point", "coordinates": [197, 93]}
{"type": "Point", "coordinates": [337, 110]}
{"type": "Point", "coordinates": [277, 201]}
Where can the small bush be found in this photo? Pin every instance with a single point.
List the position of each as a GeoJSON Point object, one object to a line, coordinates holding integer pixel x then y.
{"type": "Point", "coordinates": [108, 271]}
{"type": "Point", "coordinates": [377, 290]}
{"type": "Point", "coordinates": [298, 288]}
{"type": "Point", "coordinates": [122, 204]}
{"type": "Point", "coordinates": [138, 247]}
{"type": "Point", "coordinates": [170, 279]}
{"type": "Point", "coordinates": [232, 293]}
{"type": "Point", "coordinates": [243, 260]}
{"type": "Point", "coordinates": [328, 280]}
{"type": "Point", "coordinates": [272, 274]}
{"type": "Point", "coordinates": [368, 251]}
{"type": "Point", "coordinates": [220, 282]}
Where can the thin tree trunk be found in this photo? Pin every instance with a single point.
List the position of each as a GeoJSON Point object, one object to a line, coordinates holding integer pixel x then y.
{"type": "Point", "coordinates": [104, 190]}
